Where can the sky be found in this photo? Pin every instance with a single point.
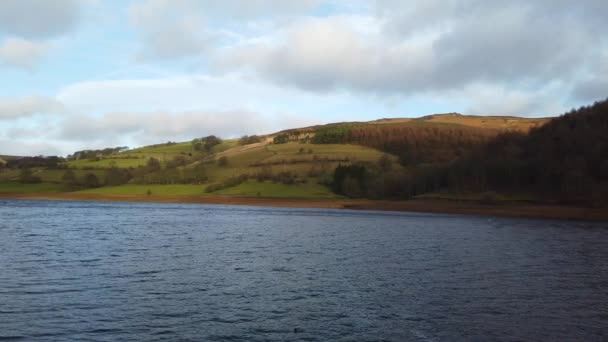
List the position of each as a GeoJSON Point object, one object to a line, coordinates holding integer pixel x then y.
{"type": "Point", "coordinates": [87, 74]}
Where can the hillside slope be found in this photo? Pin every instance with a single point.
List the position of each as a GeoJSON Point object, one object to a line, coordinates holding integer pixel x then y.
{"type": "Point", "coordinates": [292, 163]}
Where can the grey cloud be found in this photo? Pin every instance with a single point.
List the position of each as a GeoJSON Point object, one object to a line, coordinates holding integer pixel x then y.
{"type": "Point", "coordinates": [171, 29]}
{"type": "Point", "coordinates": [592, 90]}
{"type": "Point", "coordinates": [38, 18]}
{"type": "Point", "coordinates": [431, 47]}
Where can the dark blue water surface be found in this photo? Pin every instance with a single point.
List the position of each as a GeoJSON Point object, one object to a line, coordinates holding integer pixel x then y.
{"type": "Point", "coordinates": [90, 271]}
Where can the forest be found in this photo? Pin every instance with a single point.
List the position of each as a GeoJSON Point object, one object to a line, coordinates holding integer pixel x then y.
{"type": "Point", "coordinates": [564, 161]}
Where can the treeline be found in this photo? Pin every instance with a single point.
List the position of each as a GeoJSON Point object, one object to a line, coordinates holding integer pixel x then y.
{"type": "Point", "coordinates": [92, 154]}
{"type": "Point", "coordinates": [249, 139]}
{"type": "Point", "coordinates": [564, 161]}
{"type": "Point", "coordinates": [206, 144]}
{"type": "Point", "coordinates": [413, 144]}
{"type": "Point", "coordinates": [422, 144]}
{"type": "Point", "coordinates": [52, 162]}
{"type": "Point", "coordinates": [152, 173]}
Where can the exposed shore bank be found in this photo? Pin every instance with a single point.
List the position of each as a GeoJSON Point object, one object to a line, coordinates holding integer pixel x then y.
{"type": "Point", "coordinates": [426, 206]}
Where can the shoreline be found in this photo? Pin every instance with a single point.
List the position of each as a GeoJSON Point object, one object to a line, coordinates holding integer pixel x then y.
{"type": "Point", "coordinates": [423, 206]}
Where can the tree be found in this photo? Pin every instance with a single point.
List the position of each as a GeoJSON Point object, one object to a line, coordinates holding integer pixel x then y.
{"type": "Point", "coordinates": [153, 165]}
{"type": "Point", "coordinates": [69, 179]}
{"type": "Point", "coordinates": [249, 139]}
{"type": "Point", "coordinates": [197, 145]}
{"type": "Point", "coordinates": [357, 172]}
{"type": "Point", "coordinates": [200, 173]}
{"type": "Point", "coordinates": [385, 163]}
{"type": "Point", "coordinates": [26, 176]}
{"type": "Point", "coordinates": [91, 181]}
{"type": "Point", "coordinates": [177, 161]}
{"type": "Point", "coordinates": [280, 139]}
{"type": "Point", "coordinates": [210, 142]}
{"type": "Point", "coordinates": [351, 187]}
{"type": "Point", "coordinates": [222, 161]}
{"type": "Point", "coordinates": [116, 176]}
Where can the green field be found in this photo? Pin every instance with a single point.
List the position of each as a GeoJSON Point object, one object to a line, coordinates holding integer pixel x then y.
{"type": "Point", "coordinates": [9, 175]}
{"type": "Point", "coordinates": [279, 190]}
{"type": "Point", "coordinates": [295, 158]}
{"type": "Point", "coordinates": [15, 187]}
{"type": "Point", "coordinates": [157, 190]}
{"type": "Point", "coordinates": [107, 162]}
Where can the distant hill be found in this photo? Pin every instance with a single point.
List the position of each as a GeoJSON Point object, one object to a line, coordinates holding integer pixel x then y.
{"type": "Point", "coordinates": [390, 158]}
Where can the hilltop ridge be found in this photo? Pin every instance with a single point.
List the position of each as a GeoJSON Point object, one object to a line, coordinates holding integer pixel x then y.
{"type": "Point", "coordinates": [440, 156]}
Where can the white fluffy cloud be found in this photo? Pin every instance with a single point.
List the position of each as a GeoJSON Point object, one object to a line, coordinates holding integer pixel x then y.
{"type": "Point", "coordinates": [22, 53]}
{"type": "Point", "coordinates": [155, 127]}
{"type": "Point", "coordinates": [15, 108]}
{"type": "Point", "coordinates": [183, 28]}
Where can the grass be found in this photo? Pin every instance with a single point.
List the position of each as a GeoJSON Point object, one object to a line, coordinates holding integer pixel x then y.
{"type": "Point", "coordinates": [9, 175]}
{"type": "Point", "coordinates": [250, 188]}
{"type": "Point", "coordinates": [15, 187]}
{"type": "Point", "coordinates": [55, 175]}
{"type": "Point", "coordinates": [279, 190]}
{"type": "Point", "coordinates": [157, 190]}
{"type": "Point", "coordinates": [106, 163]}
{"type": "Point", "coordinates": [491, 122]}
{"type": "Point", "coordinates": [281, 157]}
{"type": "Point", "coordinates": [477, 196]}
{"type": "Point", "coordinates": [336, 151]}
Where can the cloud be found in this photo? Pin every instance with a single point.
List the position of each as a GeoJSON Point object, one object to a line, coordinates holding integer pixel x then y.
{"type": "Point", "coordinates": [498, 100]}
{"type": "Point", "coordinates": [593, 89]}
{"type": "Point", "coordinates": [30, 148]}
{"type": "Point", "coordinates": [15, 108]}
{"type": "Point", "coordinates": [407, 48]}
{"type": "Point", "coordinates": [38, 18]}
{"type": "Point", "coordinates": [155, 127]}
{"type": "Point", "coordinates": [326, 54]}
{"type": "Point", "coordinates": [172, 29]}
{"type": "Point", "coordinates": [22, 53]}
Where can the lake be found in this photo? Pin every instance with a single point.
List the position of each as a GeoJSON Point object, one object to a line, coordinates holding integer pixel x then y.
{"type": "Point", "coordinates": [95, 271]}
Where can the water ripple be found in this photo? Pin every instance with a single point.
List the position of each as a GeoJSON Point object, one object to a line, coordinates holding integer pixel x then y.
{"type": "Point", "coordinates": [165, 272]}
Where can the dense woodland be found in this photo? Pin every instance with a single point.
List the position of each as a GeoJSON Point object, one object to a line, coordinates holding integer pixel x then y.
{"type": "Point", "coordinates": [565, 160]}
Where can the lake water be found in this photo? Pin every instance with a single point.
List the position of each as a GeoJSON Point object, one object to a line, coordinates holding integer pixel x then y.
{"type": "Point", "coordinates": [92, 271]}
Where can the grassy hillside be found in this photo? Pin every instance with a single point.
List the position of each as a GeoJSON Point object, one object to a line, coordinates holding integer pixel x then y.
{"type": "Point", "coordinates": [295, 168]}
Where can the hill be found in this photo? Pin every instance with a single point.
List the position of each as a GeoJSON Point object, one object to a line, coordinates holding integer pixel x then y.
{"type": "Point", "coordinates": [294, 163]}
{"type": "Point", "coordinates": [563, 161]}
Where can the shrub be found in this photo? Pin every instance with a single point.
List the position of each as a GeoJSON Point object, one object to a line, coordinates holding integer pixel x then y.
{"type": "Point", "coordinates": [228, 183]}
{"type": "Point", "coordinates": [281, 139]}
{"type": "Point", "coordinates": [26, 176]}
{"type": "Point", "coordinates": [69, 179]}
{"type": "Point", "coordinates": [91, 181]}
{"type": "Point", "coordinates": [351, 187]}
{"type": "Point", "coordinates": [249, 139]}
{"type": "Point", "coordinates": [489, 198]}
